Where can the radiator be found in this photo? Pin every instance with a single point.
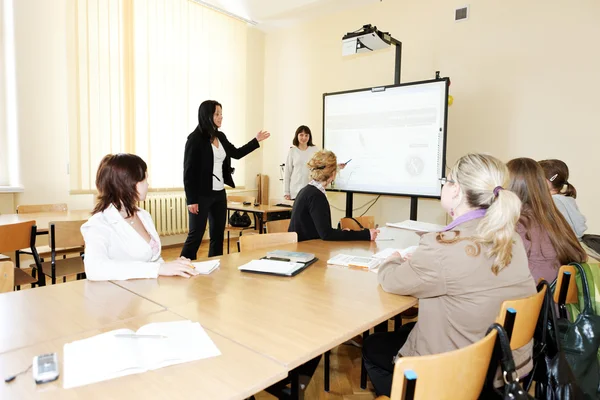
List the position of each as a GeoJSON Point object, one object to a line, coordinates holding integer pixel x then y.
{"type": "Point", "coordinates": [168, 211]}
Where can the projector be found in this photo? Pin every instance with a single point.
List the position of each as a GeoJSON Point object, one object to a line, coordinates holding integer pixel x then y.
{"type": "Point", "coordinates": [368, 38]}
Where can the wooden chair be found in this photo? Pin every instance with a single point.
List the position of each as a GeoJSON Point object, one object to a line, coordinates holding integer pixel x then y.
{"type": "Point", "coordinates": [350, 223]}
{"type": "Point", "coordinates": [278, 226]}
{"type": "Point", "coordinates": [37, 208]}
{"type": "Point", "coordinates": [14, 237]}
{"type": "Point", "coordinates": [65, 234]}
{"type": "Point", "coordinates": [254, 242]}
{"type": "Point", "coordinates": [458, 374]}
{"type": "Point", "coordinates": [7, 276]}
{"type": "Point", "coordinates": [229, 228]}
{"type": "Point", "coordinates": [520, 329]}
{"type": "Point", "coordinates": [566, 289]}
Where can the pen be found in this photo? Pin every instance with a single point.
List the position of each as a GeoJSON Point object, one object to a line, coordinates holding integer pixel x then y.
{"type": "Point", "coordinates": [346, 163]}
{"type": "Point", "coordinates": [135, 336]}
{"type": "Point", "coordinates": [382, 239]}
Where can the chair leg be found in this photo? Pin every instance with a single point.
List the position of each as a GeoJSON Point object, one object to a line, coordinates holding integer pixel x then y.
{"type": "Point", "coordinates": [363, 370]}
{"type": "Point", "coordinates": [64, 279]}
{"type": "Point", "coordinates": [397, 322]}
{"type": "Point", "coordinates": [326, 370]}
{"type": "Point", "coordinates": [227, 242]}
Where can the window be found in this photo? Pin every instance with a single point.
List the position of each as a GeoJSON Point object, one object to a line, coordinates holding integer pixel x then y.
{"type": "Point", "coordinates": [144, 67]}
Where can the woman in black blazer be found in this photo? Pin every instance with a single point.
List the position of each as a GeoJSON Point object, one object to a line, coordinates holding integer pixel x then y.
{"type": "Point", "coordinates": [206, 169]}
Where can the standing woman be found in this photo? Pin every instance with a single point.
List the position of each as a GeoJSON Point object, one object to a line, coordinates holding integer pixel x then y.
{"type": "Point", "coordinates": [296, 174]}
{"type": "Point", "coordinates": [206, 171]}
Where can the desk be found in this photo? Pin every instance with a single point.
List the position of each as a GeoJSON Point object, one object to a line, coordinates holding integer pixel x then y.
{"type": "Point", "coordinates": [262, 211]}
{"type": "Point", "coordinates": [43, 219]}
{"type": "Point", "coordinates": [290, 320]}
{"type": "Point", "coordinates": [237, 373]}
{"type": "Point", "coordinates": [32, 316]}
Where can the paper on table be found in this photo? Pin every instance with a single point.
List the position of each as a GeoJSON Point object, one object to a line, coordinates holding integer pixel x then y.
{"type": "Point", "coordinates": [385, 253]}
{"type": "Point", "coordinates": [105, 356]}
{"type": "Point", "coordinates": [416, 226]}
{"type": "Point", "coordinates": [206, 267]}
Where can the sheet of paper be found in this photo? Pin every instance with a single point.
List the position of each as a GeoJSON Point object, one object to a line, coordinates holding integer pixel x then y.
{"type": "Point", "coordinates": [206, 267]}
{"type": "Point", "coordinates": [416, 226]}
{"type": "Point", "coordinates": [385, 253]}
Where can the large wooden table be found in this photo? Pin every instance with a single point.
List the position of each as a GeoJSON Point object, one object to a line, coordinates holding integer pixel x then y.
{"type": "Point", "coordinates": [236, 374]}
{"type": "Point", "coordinates": [43, 219]}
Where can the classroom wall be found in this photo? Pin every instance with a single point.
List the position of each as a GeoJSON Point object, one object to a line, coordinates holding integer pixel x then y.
{"type": "Point", "coordinates": [42, 103]}
{"type": "Point", "coordinates": [523, 82]}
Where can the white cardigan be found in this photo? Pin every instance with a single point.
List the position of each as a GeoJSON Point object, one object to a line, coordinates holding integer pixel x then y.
{"type": "Point", "coordinates": [115, 251]}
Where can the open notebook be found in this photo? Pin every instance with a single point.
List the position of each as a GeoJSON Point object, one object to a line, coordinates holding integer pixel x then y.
{"type": "Point", "coordinates": [272, 267]}
{"type": "Point", "coordinates": [153, 346]}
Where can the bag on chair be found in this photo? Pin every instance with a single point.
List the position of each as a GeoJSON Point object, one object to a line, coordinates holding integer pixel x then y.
{"type": "Point", "coordinates": [239, 220]}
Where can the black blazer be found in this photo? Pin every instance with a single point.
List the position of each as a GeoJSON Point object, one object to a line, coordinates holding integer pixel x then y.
{"type": "Point", "coordinates": [198, 163]}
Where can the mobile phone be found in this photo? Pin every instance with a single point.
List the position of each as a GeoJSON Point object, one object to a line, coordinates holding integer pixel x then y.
{"type": "Point", "coordinates": [247, 203]}
{"type": "Point", "coordinates": [45, 368]}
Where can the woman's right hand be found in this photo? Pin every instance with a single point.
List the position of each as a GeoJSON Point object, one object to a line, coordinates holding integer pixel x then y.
{"type": "Point", "coordinates": [287, 197]}
{"type": "Point", "coordinates": [179, 267]}
{"type": "Point", "coordinates": [374, 233]}
{"type": "Point", "coordinates": [193, 208]}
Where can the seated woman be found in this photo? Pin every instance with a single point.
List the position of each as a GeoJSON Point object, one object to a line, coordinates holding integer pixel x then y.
{"type": "Point", "coordinates": [549, 240]}
{"type": "Point", "coordinates": [461, 275]}
{"type": "Point", "coordinates": [121, 241]}
{"type": "Point", "coordinates": [311, 216]}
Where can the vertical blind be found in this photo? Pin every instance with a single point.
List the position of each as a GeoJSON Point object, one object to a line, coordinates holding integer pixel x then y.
{"type": "Point", "coordinates": [144, 67]}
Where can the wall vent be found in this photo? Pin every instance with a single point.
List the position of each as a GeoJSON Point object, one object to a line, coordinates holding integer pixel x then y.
{"type": "Point", "coordinates": [461, 14]}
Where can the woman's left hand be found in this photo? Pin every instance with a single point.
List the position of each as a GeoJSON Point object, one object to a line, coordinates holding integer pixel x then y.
{"type": "Point", "coordinates": [262, 135]}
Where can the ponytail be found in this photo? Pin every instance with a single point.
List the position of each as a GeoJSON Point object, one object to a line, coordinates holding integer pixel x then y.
{"type": "Point", "coordinates": [498, 226]}
{"type": "Point", "coordinates": [570, 191]}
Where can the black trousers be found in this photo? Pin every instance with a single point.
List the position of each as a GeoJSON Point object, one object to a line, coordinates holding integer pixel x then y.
{"type": "Point", "coordinates": [211, 208]}
{"type": "Point", "coordinates": [379, 350]}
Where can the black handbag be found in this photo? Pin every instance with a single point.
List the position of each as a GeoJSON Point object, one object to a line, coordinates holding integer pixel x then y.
{"type": "Point", "coordinates": [239, 220]}
{"type": "Point", "coordinates": [512, 389]}
{"type": "Point", "coordinates": [554, 379]}
{"type": "Point", "coordinates": [580, 340]}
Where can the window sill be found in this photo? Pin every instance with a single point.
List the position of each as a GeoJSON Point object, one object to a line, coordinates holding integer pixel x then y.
{"type": "Point", "coordinates": [12, 189]}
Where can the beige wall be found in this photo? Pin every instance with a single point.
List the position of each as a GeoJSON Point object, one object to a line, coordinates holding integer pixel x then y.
{"type": "Point", "coordinates": [41, 44]}
{"type": "Point", "coordinates": [523, 82]}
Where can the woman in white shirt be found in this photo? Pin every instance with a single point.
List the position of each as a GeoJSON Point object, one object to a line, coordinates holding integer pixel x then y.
{"type": "Point", "coordinates": [121, 241]}
{"type": "Point", "coordinates": [296, 174]}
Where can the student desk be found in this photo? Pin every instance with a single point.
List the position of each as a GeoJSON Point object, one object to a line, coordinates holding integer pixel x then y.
{"type": "Point", "coordinates": [43, 219]}
{"type": "Point", "coordinates": [237, 373]}
{"type": "Point", "coordinates": [261, 211]}
{"type": "Point", "coordinates": [33, 316]}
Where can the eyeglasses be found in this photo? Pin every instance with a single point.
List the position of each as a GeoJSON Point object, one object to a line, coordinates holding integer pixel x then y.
{"type": "Point", "coordinates": [443, 181]}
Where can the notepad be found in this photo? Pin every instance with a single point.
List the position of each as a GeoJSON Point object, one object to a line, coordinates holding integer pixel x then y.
{"type": "Point", "coordinates": [284, 268]}
{"type": "Point", "coordinates": [354, 261]}
{"type": "Point", "coordinates": [416, 226]}
{"type": "Point", "coordinates": [107, 356]}
{"type": "Point", "coordinates": [385, 253]}
{"type": "Point", "coordinates": [206, 267]}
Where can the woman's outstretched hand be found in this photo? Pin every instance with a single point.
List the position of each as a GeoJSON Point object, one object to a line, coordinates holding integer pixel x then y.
{"type": "Point", "coordinates": [262, 135]}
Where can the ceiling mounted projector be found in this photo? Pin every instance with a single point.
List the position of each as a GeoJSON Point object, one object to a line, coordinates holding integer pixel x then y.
{"type": "Point", "coordinates": [368, 38]}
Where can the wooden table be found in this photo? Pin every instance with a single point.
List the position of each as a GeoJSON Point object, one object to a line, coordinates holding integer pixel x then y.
{"type": "Point", "coordinates": [261, 211]}
{"type": "Point", "coordinates": [33, 316]}
{"type": "Point", "coordinates": [237, 373]}
{"type": "Point", "coordinates": [43, 219]}
{"type": "Point", "coordinates": [288, 319]}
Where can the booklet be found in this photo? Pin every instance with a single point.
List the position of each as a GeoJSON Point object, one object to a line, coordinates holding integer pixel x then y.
{"type": "Point", "coordinates": [355, 261]}
{"type": "Point", "coordinates": [206, 267]}
{"type": "Point", "coordinates": [124, 352]}
{"type": "Point", "coordinates": [294, 256]}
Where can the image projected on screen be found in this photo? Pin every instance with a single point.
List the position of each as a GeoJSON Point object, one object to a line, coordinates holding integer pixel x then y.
{"type": "Point", "coordinates": [394, 137]}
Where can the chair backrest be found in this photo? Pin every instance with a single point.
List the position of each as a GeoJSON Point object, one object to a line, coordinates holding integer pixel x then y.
{"type": "Point", "coordinates": [252, 242]}
{"type": "Point", "coordinates": [66, 234]}
{"type": "Point", "coordinates": [35, 208]}
{"type": "Point", "coordinates": [16, 236]}
{"type": "Point", "coordinates": [242, 199]}
{"type": "Point", "coordinates": [570, 286]}
{"type": "Point", "coordinates": [349, 223]}
{"type": "Point", "coordinates": [7, 276]}
{"type": "Point", "coordinates": [278, 226]}
{"type": "Point", "coordinates": [455, 374]}
{"type": "Point", "coordinates": [519, 318]}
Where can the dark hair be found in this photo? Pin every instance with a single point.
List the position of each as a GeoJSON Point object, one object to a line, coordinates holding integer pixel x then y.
{"type": "Point", "coordinates": [116, 180]}
{"type": "Point", "coordinates": [528, 182]}
{"type": "Point", "coordinates": [557, 174]}
{"type": "Point", "coordinates": [305, 129]}
{"type": "Point", "coordinates": [206, 112]}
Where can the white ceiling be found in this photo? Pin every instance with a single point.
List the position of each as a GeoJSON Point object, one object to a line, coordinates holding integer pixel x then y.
{"type": "Point", "coordinates": [274, 14]}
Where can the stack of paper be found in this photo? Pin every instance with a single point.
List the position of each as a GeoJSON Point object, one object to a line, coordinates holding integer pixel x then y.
{"type": "Point", "coordinates": [416, 226]}
{"type": "Point", "coordinates": [355, 261]}
{"type": "Point", "coordinates": [272, 267]}
{"type": "Point", "coordinates": [206, 267]}
{"type": "Point", "coordinates": [124, 352]}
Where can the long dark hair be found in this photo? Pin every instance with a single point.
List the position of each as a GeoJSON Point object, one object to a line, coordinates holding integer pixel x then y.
{"type": "Point", "coordinates": [305, 129]}
{"type": "Point", "coordinates": [116, 180]}
{"type": "Point", "coordinates": [557, 173]}
{"type": "Point", "coordinates": [206, 112]}
{"type": "Point", "coordinates": [527, 180]}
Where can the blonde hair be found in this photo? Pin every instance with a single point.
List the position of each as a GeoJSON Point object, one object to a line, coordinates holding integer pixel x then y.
{"type": "Point", "coordinates": [322, 165]}
{"type": "Point", "coordinates": [479, 175]}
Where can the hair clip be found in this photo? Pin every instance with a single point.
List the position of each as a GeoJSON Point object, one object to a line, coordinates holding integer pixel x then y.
{"type": "Point", "coordinates": [319, 167]}
{"type": "Point", "coordinates": [553, 177]}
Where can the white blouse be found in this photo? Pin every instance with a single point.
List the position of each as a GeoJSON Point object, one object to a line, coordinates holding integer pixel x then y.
{"type": "Point", "coordinates": [115, 251]}
{"type": "Point", "coordinates": [219, 155]}
{"type": "Point", "coordinates": [296, 174]}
